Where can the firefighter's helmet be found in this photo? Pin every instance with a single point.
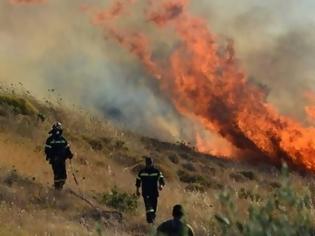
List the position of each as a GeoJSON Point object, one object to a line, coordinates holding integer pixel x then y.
{"type": "Point", "coordinates": [57, 126]}
{"type": "Point", "coordinates": [148, 161]}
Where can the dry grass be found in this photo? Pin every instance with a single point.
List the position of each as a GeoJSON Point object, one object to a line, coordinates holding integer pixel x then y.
{"type": "Point", "coordinates": [105, 157]}
{"type": "Point", "coordinates": [18, 104]}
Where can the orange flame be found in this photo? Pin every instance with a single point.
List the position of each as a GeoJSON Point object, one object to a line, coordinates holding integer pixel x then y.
{"type": "Point", "coordinates": [310, 111]}
{"type": "Point", "coordinates": [204, 81]}
{"type": "Point", "coordinates": [216, 147]}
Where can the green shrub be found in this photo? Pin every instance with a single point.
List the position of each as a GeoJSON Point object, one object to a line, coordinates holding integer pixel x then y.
{"type": "Point", "coordinates": [189, 166]}
{"type": "Point", "coordinates": [121, 201]}
{"type": "Point", "coordinates": [18, 105]}
{"type": "Point", "coordinates": [95, 144]}
{"type": "Point", "coordinates": [287, 212]}
{"type": "Point", "coordinates": [173, 158]}
{"type": "Point", "coordinates": [247, 194]}
{"type": "Point", "coordinates": [248, 174]}
{"type": "Point", "coordinates": [186, 177]}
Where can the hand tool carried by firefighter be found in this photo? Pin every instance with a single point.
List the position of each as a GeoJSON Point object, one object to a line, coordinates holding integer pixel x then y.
{"type": "Point", "coordinates": [73, 174]}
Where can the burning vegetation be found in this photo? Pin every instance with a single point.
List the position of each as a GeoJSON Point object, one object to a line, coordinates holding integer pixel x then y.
{"type": "Point", "coordinates": [204, 81]}
{"type": "Point", "coordinates": [202, 78]}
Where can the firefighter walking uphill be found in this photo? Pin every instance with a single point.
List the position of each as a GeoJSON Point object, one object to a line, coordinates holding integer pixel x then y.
{"type": "Point", "coordinates": [57, 151]}
{"type": "Point", "coordinates": [151, 181]}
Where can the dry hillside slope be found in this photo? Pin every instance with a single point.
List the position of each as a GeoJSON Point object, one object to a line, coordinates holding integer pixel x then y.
{"type": "Point", "coordinates": [220, 197]}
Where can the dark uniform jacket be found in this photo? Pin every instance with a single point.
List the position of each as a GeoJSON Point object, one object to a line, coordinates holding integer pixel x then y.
{"type": "Point", "coordinates": [57, 147]}
{"type": "Point", "coordinates": [149, 178]}
{"type": "Point", "coordinates": [174, 227]}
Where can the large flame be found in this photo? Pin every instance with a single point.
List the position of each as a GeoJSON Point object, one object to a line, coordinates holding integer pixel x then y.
{"type": "Point", "coordinates": [206, 84]}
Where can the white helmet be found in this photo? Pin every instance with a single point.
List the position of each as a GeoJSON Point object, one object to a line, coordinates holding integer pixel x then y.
{"type": "Point", "coordinates": [57, 126]}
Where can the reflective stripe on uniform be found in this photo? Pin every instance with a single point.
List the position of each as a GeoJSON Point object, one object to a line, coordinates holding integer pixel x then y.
{"type": "Point", "coordinates": [147, 174]}
{"type": "Point", "coordinates": [190, 228]}
{"type": "Point", "coordinates": [59, 180]}
{"type": "Point", "coordinates": [48, 146]}
{"type": "Point", "coordinates": [150, 210]}
{"type": "Point", "coordinates": [57, 141]}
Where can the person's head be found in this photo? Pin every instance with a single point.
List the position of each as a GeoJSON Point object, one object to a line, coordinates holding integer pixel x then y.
{"type": "Point", "coordinates": [178, 211]}
{"type": "Point", "coordinates": [56, 129]}
{"type": "Point", "coordinates": [148, 161]}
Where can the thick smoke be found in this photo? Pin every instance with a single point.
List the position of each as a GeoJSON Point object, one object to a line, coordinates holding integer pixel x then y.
{"type": "Point", "coordinates": [205, 82]}
{"type": "Point", "coordinates": [274, 41]}
{"type": "Point", "coordinates": [18, 2]}
{"type": "Point", "coordinates": [52, 45]}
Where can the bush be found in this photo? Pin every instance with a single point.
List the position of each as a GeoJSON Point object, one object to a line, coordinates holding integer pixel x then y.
{"type": "Point", "coordinates": [121, 201]}
{"type": "Point", "coordinates": [185, 177]}
{"type": "Point", "coordinates": [18, 105]}
{"type": "Point", "coordinates": [287, 212]}
{"type": "Point", "coordinates": [248, 174]}
{"type": "Point", "coordinates": [95, 144]}
{"type": "Point", "coordinates": [173, 158]}
{"type": "Point", "coordinates": [189, 166]}
{"type": "Point", "coordinates": [247, 194]}
{"type": "Point", "coordinates": [237, 177]}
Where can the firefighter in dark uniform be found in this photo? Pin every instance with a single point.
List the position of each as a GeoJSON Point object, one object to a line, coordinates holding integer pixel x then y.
{"type": "Point", "coordinates": [175, 226]}
{"type": "Point", "coordinates": [57, 150]}
{"type": "Point", "coordinates": [152, 181]}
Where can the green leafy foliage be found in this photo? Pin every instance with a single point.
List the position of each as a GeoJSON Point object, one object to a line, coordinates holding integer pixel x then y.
{"type": "Point", "coordinates": [287, 212]}
{"type": "Point", "coordinates": [121, 201]}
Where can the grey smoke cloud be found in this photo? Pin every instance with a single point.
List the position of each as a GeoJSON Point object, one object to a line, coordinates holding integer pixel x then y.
{"type": "Point", "coordinates": [275, 44]}
{"type": "Point", "coordinates": [53, 45]}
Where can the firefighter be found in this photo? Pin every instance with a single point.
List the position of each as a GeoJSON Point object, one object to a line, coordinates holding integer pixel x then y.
{"type": "Point", "coordinates": [175, 226]}
{"type": "Point", "coordinates": [57, 150]}
{"type": "Point", "coordinates": [152, 181]}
